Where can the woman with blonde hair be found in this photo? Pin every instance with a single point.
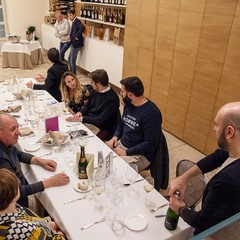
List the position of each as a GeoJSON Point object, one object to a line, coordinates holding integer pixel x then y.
{"type": "Point", "coordinates": [73, 93]}
{"type": "Point", "coordinates": [17, 222]}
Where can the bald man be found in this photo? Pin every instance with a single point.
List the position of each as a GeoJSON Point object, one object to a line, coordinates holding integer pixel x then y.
{"type": "Point", "coordinates": [221, 197]}
{"type": "Point", "coordinates": [10, 158]}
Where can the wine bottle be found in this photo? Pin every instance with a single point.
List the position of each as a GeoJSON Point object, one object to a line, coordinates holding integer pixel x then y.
{"type": "Point", "coordinates": [171, 220]}
{"type": "Point", "coordinates": [82, 165]}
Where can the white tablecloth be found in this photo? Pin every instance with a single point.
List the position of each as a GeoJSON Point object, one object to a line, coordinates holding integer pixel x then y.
{"type": "Point", "coordinates": [71, 217]}
{"type": "Point", "coordinates": [21, 48]}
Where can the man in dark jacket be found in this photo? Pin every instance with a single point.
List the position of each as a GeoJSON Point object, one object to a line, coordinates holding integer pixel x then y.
{"type": "Point", "coordinates": [102, 107]}
{"type": "Point", "coordinates": [221, 196]}
{"type": "Point", "coordinates": [76, 39]}
{"type": "Point", "coordinates": [54, 75]}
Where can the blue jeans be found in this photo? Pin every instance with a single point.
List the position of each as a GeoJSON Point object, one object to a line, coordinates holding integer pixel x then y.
{"type": "Point", "coordinates": [72, 59]}
{"type": "Point", "coordinates": [63, 48]}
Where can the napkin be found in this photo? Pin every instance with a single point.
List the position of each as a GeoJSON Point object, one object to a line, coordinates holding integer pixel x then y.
{"type": "Point", "coordinates": [25, 131]}
{"type": "Point", "coordinates": [53, 136]}
{"type": "Point", "coordinates": [90, 166]}
{"type": "Point", "coordinates": [15, 108]}
{"type": "Point", "coordinates": [10, 109]}
{"type": "Point", "coordinates": [21, 94]}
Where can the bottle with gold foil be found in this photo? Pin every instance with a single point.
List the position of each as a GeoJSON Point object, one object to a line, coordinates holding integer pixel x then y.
{"type": "Point", "coordinates": [82, 165]}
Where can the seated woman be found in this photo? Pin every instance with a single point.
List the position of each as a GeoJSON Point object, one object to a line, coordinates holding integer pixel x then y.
{"type": "Point", "coordinates": [73, 93]}
{"type": "Point", "coordinates": [17, 222]}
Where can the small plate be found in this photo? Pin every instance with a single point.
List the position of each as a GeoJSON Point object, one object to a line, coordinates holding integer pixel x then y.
{"type": "Point", "coordinates": [32, 147]}
{"type": "Point", "coordinates": [82, 191]}
{"type": "Point", "coordinates": [136, 222]}
{"type": "Point", "coordinates": [11, 99]}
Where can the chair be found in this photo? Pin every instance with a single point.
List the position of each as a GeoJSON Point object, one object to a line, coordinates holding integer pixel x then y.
{"type": "Point", "coordinates": [195, 186]}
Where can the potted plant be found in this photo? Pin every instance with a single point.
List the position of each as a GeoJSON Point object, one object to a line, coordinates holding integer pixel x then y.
{"type": "Point", "coordinates": [30, 33]}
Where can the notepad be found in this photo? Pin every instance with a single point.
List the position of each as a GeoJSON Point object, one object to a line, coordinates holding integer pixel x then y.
{"type": "Point", "coordinates": [51, 124]}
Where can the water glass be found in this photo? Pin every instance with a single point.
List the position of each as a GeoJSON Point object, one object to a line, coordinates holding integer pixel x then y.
{"type": "Point", "coordinates": [118, 225]}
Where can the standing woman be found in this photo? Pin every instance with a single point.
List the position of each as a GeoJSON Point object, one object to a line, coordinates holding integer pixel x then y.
{"type": "Point", "coordinates": [73, 93]}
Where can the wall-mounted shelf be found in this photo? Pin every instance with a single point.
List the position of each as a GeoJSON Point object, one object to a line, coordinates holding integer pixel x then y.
{"type": "Point", "coordinates": [102, 22]}
{"type": "Point", "coordinates": [102, 4]}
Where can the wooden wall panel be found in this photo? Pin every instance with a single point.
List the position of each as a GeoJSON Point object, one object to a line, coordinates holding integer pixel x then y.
{"type": "Point", "coordinates": [133, 15]}
{"type": "Point", "coordinates": [186, 45]}
{"type": "Point", "coordinates": [229, 87]}
{"type": "Point", "coordinates": [164, 49]}
{"type": "Point", "coordinates": [214, 38]}
{"type": "Point", "coordinates": [147, 36]}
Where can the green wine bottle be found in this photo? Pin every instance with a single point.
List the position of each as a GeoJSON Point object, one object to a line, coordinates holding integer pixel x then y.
{"type": "Point", "coordinates": [171, 220]}
{"type": "Point", "coordinates": [82, 165]}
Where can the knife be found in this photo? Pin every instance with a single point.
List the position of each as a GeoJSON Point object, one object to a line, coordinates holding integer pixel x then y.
{"type": "Point", "coordinates": [139, 180]}
{"type": "Point", "coordinates": [76, 199]}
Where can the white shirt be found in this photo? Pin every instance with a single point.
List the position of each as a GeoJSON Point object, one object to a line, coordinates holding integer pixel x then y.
{"type": "Point", "coordinates": [62, 29]}
{"type": "Point", "coordinates": [226, 163]}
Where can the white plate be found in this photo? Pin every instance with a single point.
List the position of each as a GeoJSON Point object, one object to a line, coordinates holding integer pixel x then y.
{"type": "Point", "coordinates": [79, 190]}
{"type": "Point", "coordinates": [32, 147]}
{"type": "Point", "coordinates": [136, 222]}
{"type": "Point", "coordinates": [11, 99]}
{"type": "Point", "coordinates": [62, 133]}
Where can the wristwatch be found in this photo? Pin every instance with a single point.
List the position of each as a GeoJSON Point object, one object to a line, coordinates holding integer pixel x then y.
{"type": "Point", "coordinates": [181, 209]}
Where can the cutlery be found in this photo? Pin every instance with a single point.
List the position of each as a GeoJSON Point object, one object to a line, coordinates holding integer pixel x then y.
{"type": "Point", "coordinates": [159, 216]}
{"type": "Point", "coordinates": [155, 209]}
{"type": "Point", "coordinates": [44, 155]}
{"type": "Point", "coordinates": [31, 135]}
{"type": "Point", "coordinates": [139, 180]}
{"type": "Point", "coordinates": [72, 125]}
{"type": "Point", "coordinates": [93, 223]}
{"type": "Point", "coordinates": [76, 199]}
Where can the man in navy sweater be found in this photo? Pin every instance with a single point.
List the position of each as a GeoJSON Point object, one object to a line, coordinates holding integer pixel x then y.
{"type": "Point", "coordinates": [136, 137]}
{"type": "Point", "coordinates": [221, 196]}
{"type": "Point", "coordinates": [102, 107]}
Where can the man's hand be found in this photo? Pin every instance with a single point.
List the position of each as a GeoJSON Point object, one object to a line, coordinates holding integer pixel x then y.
{"type": "Point", "coordinates": [75, 118]}
{"type": "Point", "coordinates": [175, 204]}
{"type": "Point", "coordinates": [177, 184]}
{"type": "Point", "coordinates": [45, 163]}
{"type": "Point", "coordinates": [59, 179]}
{"type": "Point", "coordinates": [40, 78]}
{"type": "Point", "coordinates": [30, 84]}
{"type": "Point", "coordinates": [112, 143]}
{"type": "Point", "coordinates": [120, 151]}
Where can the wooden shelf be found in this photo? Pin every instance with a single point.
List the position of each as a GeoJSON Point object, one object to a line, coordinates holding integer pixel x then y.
{"type": "Point", "coordinates": [102, 4]}
{"type": "Point", "coordinates": [102, 22]}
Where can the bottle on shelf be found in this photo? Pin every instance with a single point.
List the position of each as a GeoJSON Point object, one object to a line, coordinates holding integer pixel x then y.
{"type": "Point", "coordinates": [171, 220]}
{"type": "Point", "coordinates": [101, 33]}
{"type": "Point", "coordinates": [122, 18]}
{"type": "Point", "coordinates": [82, 165]}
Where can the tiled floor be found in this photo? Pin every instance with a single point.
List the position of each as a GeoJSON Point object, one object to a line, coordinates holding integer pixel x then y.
{"type": "Point", "coordinates": [177, 149]}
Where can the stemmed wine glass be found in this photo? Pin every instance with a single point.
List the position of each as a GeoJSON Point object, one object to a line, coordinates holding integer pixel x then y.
{"type": "Point", "coordinates": [131, 174]}
{"type": "Point", "coordinates": [148, 187]}
{"type": "Point", "coordinates": [82, 141]}
{"type": "Point", "coordinates": [55, 146]}
{"type": "Point", "coordinates": [99, 186]}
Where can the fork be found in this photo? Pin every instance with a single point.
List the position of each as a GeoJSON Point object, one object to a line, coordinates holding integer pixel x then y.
{"type": "Point", "coordinates": [93, 223]}
{"type": "Point", "coordinates": [156, 208]}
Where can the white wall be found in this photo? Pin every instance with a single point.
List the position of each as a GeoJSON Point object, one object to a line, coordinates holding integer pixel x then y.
{"type": "Point", "coordinates": [22, 13]}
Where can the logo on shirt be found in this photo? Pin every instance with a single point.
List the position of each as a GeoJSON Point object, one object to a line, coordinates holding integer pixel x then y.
{"type": "Point", "coordinates": [130, 121]}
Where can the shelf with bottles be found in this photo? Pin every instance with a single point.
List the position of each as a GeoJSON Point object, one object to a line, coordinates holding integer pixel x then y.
{"type": "Point", "coordinates": [113, 3]}
{"type": "Point", "coordinates": [107, 16]}
{"type": "Point", "coordinates": [61, 5]}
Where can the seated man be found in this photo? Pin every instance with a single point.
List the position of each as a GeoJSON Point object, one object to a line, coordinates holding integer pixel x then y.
{"type": "Point", "coordinates": [136, 137]}
{"type": "Point", "coordinates": [221, 196]}
{"type": "Point", "coordinates": [54, 75]}
{"type": "Point", "coordinates": [102, 106]}
{"type": "Point", "coordinates": [10, 158]}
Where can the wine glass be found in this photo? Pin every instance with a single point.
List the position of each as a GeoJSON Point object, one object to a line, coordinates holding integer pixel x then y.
{"type": "Point", "coordinates": [131, 174]}
{"type": "Point", "coordinates": [74, 133]}
{"type": "Point", "coordinates": [55, 146]}
{"type": "Point", "coordinates": [82, 141]}
{"type": "Point", "coordinates": [148, 187]}
{"type": "Point", "coordinates": [99, 186]}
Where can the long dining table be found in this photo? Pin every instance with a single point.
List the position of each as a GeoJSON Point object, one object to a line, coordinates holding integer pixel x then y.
{"type": "Point", "coordinates": [72, 216]}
